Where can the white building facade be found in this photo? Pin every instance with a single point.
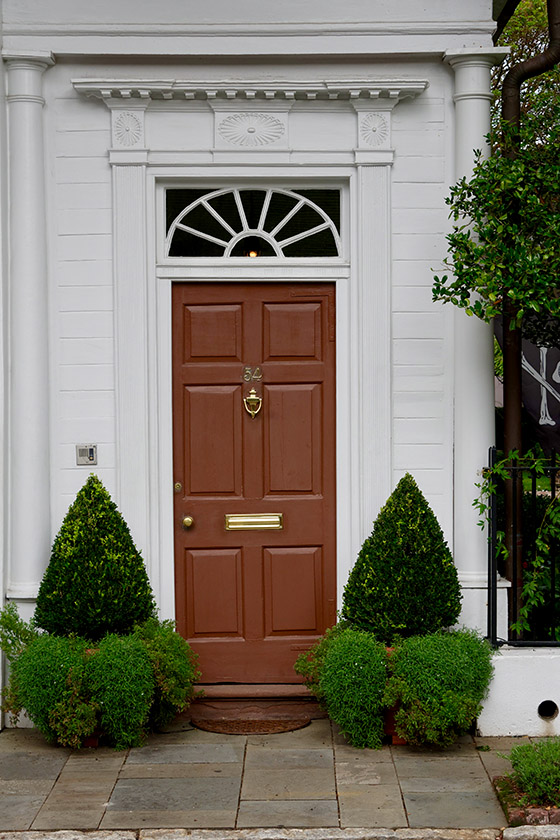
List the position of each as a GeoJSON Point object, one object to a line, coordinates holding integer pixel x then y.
{"type": "Point", "coordinates": [116, 112]}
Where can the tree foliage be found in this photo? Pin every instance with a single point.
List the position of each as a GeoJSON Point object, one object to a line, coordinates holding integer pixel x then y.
{"type": "Point", "coordinates": [506, 229]}
{"type": "Point", "coordinates": [526, 34]}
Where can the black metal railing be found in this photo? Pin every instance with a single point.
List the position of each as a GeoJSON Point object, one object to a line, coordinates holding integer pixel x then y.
{"type": "Point", "coordinates": [533, 593]}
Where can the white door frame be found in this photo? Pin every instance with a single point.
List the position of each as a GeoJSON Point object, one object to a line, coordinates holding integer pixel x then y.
{"type": "Point", "coordinates": [143, 345]}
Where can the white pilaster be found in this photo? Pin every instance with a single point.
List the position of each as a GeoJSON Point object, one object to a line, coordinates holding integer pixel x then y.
{"type": "Point", "coordinates": [128, 157]}
{"type": "Point", "coordinates": [373, 394]}
{"type": "Point", "coordinates": [474, 368]}
{"type": "Point", "coordinates": [29, 467]}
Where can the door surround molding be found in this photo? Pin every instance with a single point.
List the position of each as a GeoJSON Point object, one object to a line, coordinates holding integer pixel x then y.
{"type": "Point", "coordinates": [143, 347]}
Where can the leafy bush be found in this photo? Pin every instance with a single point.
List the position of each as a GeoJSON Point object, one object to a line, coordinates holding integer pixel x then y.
{"type": "Point", "coordinates": [404, 581]}
{"type": "Point", "coordinates": [96, 582]}
{"type": "Point", "coordinates": [536, 772]}
{"type": "Point", "coordinates": [174, 669]}
{"type": "Point", "coordinates": [351, 681]}
{"type": "Point", "coordinates": [309, 664]}
{"type": "Point", "coordinates": [438, 682]}
{"type": "Point", "coordinates": [121, 679]}
{"type": "Point", "coordinates": [120, 688]}
{"type": "Point", "coordinates": [43, 679]}
{"type": "Point", "coordinates": [15, 633]}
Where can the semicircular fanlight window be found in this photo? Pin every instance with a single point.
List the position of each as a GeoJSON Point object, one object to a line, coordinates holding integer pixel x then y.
{"type": "Point", "coordinates": [252, 223]}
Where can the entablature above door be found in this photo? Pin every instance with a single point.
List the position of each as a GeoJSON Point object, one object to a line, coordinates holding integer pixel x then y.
{"type": "Point", "coordinates": [245, 119]}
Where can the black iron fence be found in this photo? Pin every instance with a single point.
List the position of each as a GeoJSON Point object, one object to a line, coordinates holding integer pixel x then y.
{"type": "Point", "coordinates": [532, 563]}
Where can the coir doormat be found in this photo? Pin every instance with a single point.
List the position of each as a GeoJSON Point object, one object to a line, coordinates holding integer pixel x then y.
{"type": "Point", "coordinates": [250, 727]}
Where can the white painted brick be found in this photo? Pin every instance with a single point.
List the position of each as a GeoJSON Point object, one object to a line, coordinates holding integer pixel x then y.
{"type": "Point", "coordinates": [418, 382]}
{"type": "Point", "coordinates": [429, 142]}
{"type": "Point", "coordinates": [85, 273]}
{"type": "Point", "coordinates": [418, 404]}
{"type": "Point", "coordinates": [416, 169]}
{"type": "Point", "coordinates": [90, 247]}
{"type": "Point", "coordinates": [418, 111]}
{"type": "Point", "coordinates": [91, 170]}
{"type": "Point", "coordinates": [85, 298]}
{"type": "Point", "coordinates": [418, 430]}
{"type": "Point", "coordinates": [82, 143]}
{"type": "Point", "coordinates": [421, 456]}
{"type": "Point", "coordinates": [86, 430]}
{"type": "Point", "coordinates": [421, 246]}
{"type": "Point", "coordinates": [424, 351]}
{"type": "Point", "coordinates": [86, 196]}
{"type": "Point", "coordinates": [414, 272]}
{"type": "Point", "coordinates": [417, 325]}
{"type": "Point", "coordinates": [77, 221]}
{"type": "Point", "coordinates": [86, 351]}
{"type": "Point", "coordinates": [85, 404]}
{"type": "Point", "coordinates": [86, 324]}
{"type": "Point", "coordinates": [91, 377]}
{"type": "Point", "coordinates": [77, 114]}
{"type": "Point", "coordinates": [413, 299]}
{"type": "Point", "coordinates": [421, 220]}
{"type": "Point", "coordinates": [419, 195]}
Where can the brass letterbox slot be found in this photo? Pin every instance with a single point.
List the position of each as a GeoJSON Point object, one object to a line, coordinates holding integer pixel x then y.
{"type": "Point", "coordinates": [254, 521]}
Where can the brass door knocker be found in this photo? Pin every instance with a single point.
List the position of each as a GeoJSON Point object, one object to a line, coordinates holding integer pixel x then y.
{"type": "Point", "coordinates": [253, 403]}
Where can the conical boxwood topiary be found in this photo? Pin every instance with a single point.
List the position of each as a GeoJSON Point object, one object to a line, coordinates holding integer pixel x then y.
{"type": "Point", "coordinates": [404, 582]}
{"type": "Point", "coordinates": [96, 582]}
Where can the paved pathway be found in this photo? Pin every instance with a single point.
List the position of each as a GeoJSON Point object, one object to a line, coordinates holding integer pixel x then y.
{"type": "Point", "coordinates": [187, 778]}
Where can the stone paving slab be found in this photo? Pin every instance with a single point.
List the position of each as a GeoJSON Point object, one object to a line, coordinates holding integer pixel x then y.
{"type": "Point", "coordinates": [218, 794]}
{"type": "Point", "coordinates": [187, 753]}
{"type": "Point", "coordinates": [379, 806]}
{"type": "Point", "coordinates": [365, 773]}
{"type": "Point", "coordinates": [172, 819]}
{"type": "Point", "coordinates": [288, 783]}
{"type": "Point", "coordinates": [185, 771]}
{"type": "Point", "coordinates": [292, 758]}
{"type": "Point", "coordinates": [465, 809]}
{"type": "Point", "coordinates": [305, 812]}
{"type": "Point", "coordinates": [19, 810]}
{"type": "Point", "coordinates": [30, 765]}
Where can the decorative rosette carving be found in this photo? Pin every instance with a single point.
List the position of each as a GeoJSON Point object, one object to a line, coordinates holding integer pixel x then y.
{"type": "Point", "coordinates": [127, 129]}
{"type": "Point", "coordinates": [374, 129]}
{"type": "Point", "coordinates": [251, 129]}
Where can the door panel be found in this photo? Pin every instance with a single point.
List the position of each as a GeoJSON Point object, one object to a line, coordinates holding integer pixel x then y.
{"type": "Point", "coordinates": [249, 601]}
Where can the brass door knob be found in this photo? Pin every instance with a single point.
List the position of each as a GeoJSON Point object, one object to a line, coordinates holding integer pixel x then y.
{"type": "Point", "coordinates": [187, 522]}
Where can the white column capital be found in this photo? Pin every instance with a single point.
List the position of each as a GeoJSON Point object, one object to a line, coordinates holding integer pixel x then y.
{"type": "Point", "coordinates": [463, 58]}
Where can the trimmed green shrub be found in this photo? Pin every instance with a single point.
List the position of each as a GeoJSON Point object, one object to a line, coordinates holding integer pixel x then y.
{"type": "Point", "coordinates": [404, 581]}
{"type": "Point", "coordinates": [351, 682]}
{"type": "Point", "coordinates": [121, 679]}
{"type": "Point", "coordinates": [438, 682]}
{"type": "Point", "coordinates": [536, 772]}
{"type": "Point", "coordinates": [174, 667]}
{"type": "Point", "coordinates": [45, 678]}
{"type": "Point", "coordinates": [95, 582]}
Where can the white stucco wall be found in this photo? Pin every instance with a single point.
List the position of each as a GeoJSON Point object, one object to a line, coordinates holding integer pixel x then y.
{"type": "Point", "coordinates": [408, 424]}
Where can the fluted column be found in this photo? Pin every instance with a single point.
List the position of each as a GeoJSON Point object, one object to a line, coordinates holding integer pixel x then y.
{"type": "Point", "coordinates": [473, 349]}
{"type": "Point", "coordinates": [29, 468]}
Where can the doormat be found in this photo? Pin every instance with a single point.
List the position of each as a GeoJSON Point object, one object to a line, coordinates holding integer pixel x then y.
{"type": "Point", "coordinates": [250, 727]}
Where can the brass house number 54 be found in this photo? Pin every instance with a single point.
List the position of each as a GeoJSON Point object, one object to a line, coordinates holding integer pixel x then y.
{"type": "Point", "coordinates": [252, 374]}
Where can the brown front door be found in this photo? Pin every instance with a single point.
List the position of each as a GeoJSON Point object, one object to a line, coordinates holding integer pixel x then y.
{"type": "Point", "coordinates": [249, 598]}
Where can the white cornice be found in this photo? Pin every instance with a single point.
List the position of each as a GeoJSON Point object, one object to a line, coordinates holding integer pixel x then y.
{"type": "Point", "coordinates": [167, 89]}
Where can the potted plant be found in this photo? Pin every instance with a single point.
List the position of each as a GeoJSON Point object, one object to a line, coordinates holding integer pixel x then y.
{"type": "Point", "coordinates": [95, 657]}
